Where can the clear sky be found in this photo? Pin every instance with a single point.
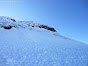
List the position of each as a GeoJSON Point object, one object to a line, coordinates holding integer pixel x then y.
{"type": "Point", "coordinates": [68, 17]}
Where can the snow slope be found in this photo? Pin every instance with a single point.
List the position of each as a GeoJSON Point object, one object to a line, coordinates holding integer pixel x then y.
{"type": "Point", "coordinates": [25, 45]}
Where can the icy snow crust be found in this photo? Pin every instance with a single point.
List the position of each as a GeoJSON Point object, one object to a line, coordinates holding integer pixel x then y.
{"type": "Point", "coordinates": [39, 47]}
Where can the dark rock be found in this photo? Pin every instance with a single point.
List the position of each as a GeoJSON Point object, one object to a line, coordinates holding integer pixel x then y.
{"type": "Point", "coordinates": [7, 27]}
{"type": "Point", "coordinates": [32, 26]}
{"type": "Point", "coordinates": [47, 27]}
{"type": "Point", "coordinates": [13, 20]}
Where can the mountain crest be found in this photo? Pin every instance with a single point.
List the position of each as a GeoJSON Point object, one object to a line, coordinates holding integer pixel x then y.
{"type": "Point", "coordinates": [8, 23]}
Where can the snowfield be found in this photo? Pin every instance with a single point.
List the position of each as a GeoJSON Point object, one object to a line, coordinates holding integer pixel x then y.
{"type": "Point", "coordinates": [24, 45]}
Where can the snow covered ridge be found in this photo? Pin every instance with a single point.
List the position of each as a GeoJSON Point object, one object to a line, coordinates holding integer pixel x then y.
{"type": "Point", "coordinates": [8, 23]}
{"type": "Point", "coordinates": [34, 47]}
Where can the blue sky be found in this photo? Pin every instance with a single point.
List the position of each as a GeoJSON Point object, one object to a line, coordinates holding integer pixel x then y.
{"type": "Point", "coordinates": [68, 17]}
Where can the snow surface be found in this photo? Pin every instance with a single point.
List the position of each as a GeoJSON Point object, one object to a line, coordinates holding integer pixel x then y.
{"type": "Point", "coordinates": [39, 47]}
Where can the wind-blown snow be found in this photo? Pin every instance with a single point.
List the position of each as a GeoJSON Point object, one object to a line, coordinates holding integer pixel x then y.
{"type": "Point", "coordinates": [39, 47]}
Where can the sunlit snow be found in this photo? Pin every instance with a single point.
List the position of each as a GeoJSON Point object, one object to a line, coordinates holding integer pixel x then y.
{"type": "Point", "coordinates": [32, 46]}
